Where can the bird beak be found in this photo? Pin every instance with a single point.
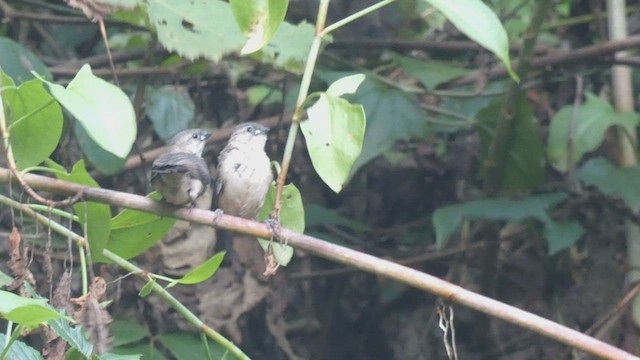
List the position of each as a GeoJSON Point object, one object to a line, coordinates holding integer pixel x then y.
{"type": "Point", "coordinates": [204, 135]}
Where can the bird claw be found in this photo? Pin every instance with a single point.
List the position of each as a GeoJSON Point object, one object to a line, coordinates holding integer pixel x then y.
{"type": "Point", "coordinates": [217, 213]}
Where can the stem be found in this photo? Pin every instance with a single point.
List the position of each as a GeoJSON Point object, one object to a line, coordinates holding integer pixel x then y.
{"type": "Point", "coordinates": [83, 270]}
{"type": "Point", "coordinates": [499, 147]}
{"type": "Point", "coordinates": [297, 115]}
{"type": "Point", "coordinates": [54, 211]}
{"type": "Point", "coordinates": [175, 304]}
{"type": "Point", "coordinates": [355, 16]}
{"type": "Point", "coordinates": [80, 241]}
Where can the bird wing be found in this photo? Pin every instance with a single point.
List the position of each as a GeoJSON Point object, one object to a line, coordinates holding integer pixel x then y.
{"type": "Point", "coordinates": [182, 163]}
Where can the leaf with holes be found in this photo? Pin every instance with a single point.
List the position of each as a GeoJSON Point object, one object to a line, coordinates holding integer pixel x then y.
{"type": "Point", "coordinates": [334, 132]}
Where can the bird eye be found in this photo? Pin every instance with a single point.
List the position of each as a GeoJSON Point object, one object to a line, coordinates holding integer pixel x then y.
{"type": "Point", "coordinates": [250, 129]}
{"type": "Point", "coordinates": [195, 135]}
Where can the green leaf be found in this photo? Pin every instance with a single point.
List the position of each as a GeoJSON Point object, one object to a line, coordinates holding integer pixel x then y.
{"type": "Point", "coordinates": [27, 312]}
{"type": "Point", "coordinates": [476, 20]}
{"type": "Point", "coordinates": [186, 346]}
{"type": "Point", "coordinates": [196, 28]}
{"type": "Point", "coordinates": [147, 288]}
{"type": "Point", "coordinates": [391, 115]}
{"type": "Point", "coordinates": [524, 165]}
{"type": "Point", "coordinates": [35, 121]}
{"type": "Point", "coordinates": [73, 335]}
{"type": "Point", "coordinates": [259, 20]}
{"type": "Point", "coordinates": [127, 331]}
{"type": "Point", "coordinates": [18, 62]}
{"type": "Point", "coordinates": [334, 133]}
{"type": "Point", "coordinates": [571, 138]}
{"type": "Point", "coordinates": [289, 47]}
{"type": "Point", "coordinates": [612, 180]}
{"type": "Point", "coordinates": [105, 111]}
{"type": "Point", "coordinates": [431, 73]}
{"type": "Point", "coordinates": [104, 161]}
{"type": "Point", "coordinates": [19, 350]}
{"type": "Point", "coordinates": [559, 235]}
{"type": "Point", "coordinates": [291, 217]}
{"type": "Point", "coordinates": [204, 271]}
{"type": "Point", "coordinates": [95, 217]}
{"type": "Point", "coordinates": [133, 231]}
{"type": "Point", "coordinates": [171, 110]}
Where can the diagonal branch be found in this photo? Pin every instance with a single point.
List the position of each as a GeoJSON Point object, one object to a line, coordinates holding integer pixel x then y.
{"type": "Point", "coordinates": [369, 263]}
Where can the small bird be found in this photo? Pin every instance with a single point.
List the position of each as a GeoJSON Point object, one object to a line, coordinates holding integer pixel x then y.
{"type": "Point", "coordinates": [244, 172]}
{"type": "Point", "coordinates": [180, 174]}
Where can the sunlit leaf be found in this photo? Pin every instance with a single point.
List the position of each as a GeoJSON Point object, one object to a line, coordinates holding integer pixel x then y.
{"type": "Point", "coordinates": [334, 133]}
{"type": "Point", "coordinates": [35, 121]}
{"type": "Point", "coordinates": [105, 111]}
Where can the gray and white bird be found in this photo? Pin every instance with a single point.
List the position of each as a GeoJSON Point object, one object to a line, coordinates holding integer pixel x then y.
{"type": "Point", "coordinates": [244, 172]}
{"type": "Point", "coordinates": [180, 174]}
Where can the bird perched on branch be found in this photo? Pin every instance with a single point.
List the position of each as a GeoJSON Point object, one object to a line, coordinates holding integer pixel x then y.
{"type": "Point", "coordinates": [244, 172]}
{"type": "Point", "coordinates": [180, 174]}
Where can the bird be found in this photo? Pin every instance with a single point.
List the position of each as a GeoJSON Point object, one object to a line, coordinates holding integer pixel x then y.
{"type": "Point", "coordinates": [180, 174]}
{"type": "Point", "coordinates": [244, 172]}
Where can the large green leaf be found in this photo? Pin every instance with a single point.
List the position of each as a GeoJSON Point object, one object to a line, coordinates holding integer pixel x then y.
{"type": "Point", "coordinates": [612, 180]}
{"type": "Point", "coordinates": [446, 220]}
{"type": "Point", "coordinates": [18, 62]}
{"type": "Point", "coordinates": [476, 20]}
{"type": "Point", "coordinates": [105, 111]}
{"type": "Point", "coordinates": [289, 47]}
{"type": "Point", "coordinates": [196, 28]}
{"type": "Point", "coordinates": [35, 123]}
{"type": "Point", "coordinates": [524, 164]}
{"type": "Point", "coordinates": [101, 159]}
{"type": "Point", "coordinates": [334, 132]}
{"type": "Point", "coordinates": [25, 311]}
{"type": "Point", "coordinates": [571, 135]}
{"type": "Point", "coordinates": [258, 20]}
{"type": "Point", "coordinates": [291, 217]}
{"type": "Point", "coordinates": [133, 231]}
{"type": "Point", "coordinates": [171, 110]}
{"type": "Point", "coordinates": [391, 115]}
{"type": "Point", "coordinates": [95, 218]}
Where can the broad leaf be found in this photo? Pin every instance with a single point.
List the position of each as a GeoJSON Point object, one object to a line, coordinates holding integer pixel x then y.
{"type": "Point", "coordinates": [133, 231]}
{"type": "Point", "coordinates": [95, 217]}
{"type": "Point", "coordinates": [334, 133]}
{"type": "Point", "coordinates": [19, 62]}
{"type": "Point", "coordinates": [258, 20]}
{"type": "Point", "coordinates": [612, 180]}
{"type": "Point", "coordinates": [476, 20]}
{"type": "Point", "coordinates": [25, 311]}
{"type": "Point", "coordinates": [105, 111]}
{"type": "Point", "coordinates": [571, 135]}
{"type": "Point", "coordinates": [171, 110]}
{"type": "Point", "coordinates": [559, 235]}
{"type": "Point", "coordinates": [35, 123]}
